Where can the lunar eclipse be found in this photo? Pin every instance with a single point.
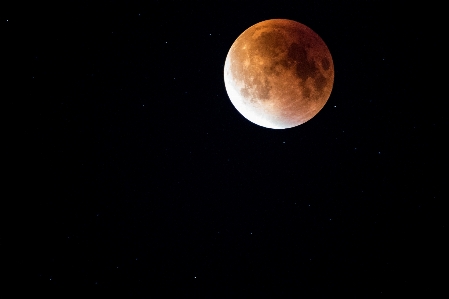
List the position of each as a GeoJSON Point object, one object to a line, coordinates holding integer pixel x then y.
{"type": "Point", "coordinates": [279, 73]}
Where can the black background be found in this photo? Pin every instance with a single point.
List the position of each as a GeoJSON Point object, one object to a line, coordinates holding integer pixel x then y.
{"type": "Point", "coordinates": [137, 175]}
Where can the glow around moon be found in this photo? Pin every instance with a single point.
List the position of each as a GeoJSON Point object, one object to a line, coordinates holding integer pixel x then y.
{"type": "Point", "coordinates": [279, 74]}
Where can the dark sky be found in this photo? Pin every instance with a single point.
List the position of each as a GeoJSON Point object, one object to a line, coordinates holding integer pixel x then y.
{"type": "Point", "coordinates": [139, 176]}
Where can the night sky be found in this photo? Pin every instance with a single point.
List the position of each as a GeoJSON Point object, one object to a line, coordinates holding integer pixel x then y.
{"type": "Point", "coordinates": [138, 176]}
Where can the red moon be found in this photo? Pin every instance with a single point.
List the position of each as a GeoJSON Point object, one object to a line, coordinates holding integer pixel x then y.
{"type": "Point", "coordinates": [279, 74]}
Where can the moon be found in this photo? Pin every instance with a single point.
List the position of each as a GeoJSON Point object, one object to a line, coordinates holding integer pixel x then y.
{"type": "Point", "coordinates": [279, 73]}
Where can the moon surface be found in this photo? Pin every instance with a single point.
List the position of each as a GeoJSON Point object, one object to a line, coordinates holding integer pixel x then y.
{"type": "Point", "coordinates": [279, 74]}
